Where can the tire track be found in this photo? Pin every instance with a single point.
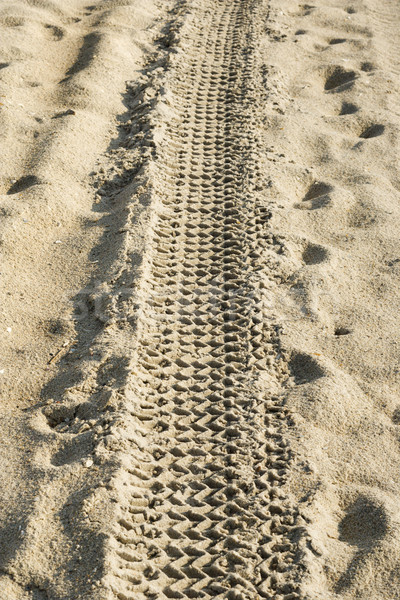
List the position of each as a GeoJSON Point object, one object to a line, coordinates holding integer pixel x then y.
{"type": "Point", "coordinates": [204, 514]}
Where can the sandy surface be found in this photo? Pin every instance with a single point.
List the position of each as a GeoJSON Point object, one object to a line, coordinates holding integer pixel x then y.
{"type": "Point", "coordinates": [199, 300]}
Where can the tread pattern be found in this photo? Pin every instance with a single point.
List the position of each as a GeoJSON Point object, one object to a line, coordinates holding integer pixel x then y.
{"type": "Point", "coordinates": [207, 457]}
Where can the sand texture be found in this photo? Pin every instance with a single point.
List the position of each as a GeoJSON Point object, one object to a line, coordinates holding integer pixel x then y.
{"type": "Point", "coordinates": [199, 300]}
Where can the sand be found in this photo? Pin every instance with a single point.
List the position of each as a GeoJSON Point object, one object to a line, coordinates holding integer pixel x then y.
{"type": "Point", "coordinates": [199, 369]}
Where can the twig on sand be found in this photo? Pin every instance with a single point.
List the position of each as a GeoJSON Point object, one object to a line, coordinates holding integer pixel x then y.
{"type": "Point", "coordinates": [64, 348]}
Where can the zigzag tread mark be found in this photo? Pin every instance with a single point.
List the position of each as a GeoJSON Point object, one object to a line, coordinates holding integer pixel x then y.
{"type": "Point", "coordinates": [207, 517]}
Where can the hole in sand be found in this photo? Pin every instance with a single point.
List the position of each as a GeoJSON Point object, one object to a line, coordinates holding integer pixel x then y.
{"type": "Point", "coordinates": [339, 77]}
{"type": "Point", "coordinates": [300, 32]}
{"type": "Point", "coordinates": [373, 131]}
{"type": "Point", "coordinates": [314, 254]}
{"type": "Point", "coordinates": [351, 10]}
{"type": "Point", "coordinates": [335, 41]}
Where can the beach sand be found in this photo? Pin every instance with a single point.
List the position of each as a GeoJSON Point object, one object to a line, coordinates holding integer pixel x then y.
{"type": "Point", "coordinates": [199, 300]}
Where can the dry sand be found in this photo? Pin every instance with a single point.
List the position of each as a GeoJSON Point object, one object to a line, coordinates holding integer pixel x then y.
{"type": "Point", "coordinates": [199, 300]}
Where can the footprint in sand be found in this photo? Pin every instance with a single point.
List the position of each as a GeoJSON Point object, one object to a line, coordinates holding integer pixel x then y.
{"type": "Point", "coordinates": [372, 131]}
{"type": "Point", "coordinates": [339, 79]}
{"type": "Point", "coordinates": [11, 21]}
{"type": "Point", "coordinates": [23, 184]}
{"type": "Point", "coordinates": [369, 132]}
{"type": "Point", "coordinates": [361, 217]}
{"type": "Point", "coordinates": [368, 67]}
{"type": "Point", "coordinates": [317, 196]}
{"type": "Point", "coordinates": [306, 9]}
{"type": "Point", "coordinates": [335, 41]}
{"type": "Point", "coordinates": [314, 254]}
{"type": "Point", "coordinates": [353, 43]}
{"type": "Point", "coordinates": [396, 416]}
{"type": "Point", "coordinates": [348, 108]}
{"type": "Point", "coordinates": [340, 331]}
{"type": "Point", "coordinates": [55, 33]}
{"type": "Point", "coordinates": [365, 523]}
{"type": "Point", "coordinates": [305, 368]}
